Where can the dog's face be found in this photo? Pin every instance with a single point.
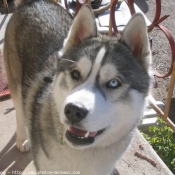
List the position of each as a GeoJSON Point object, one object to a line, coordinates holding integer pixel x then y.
{"type": "Point", "coordinates": [101, 83]}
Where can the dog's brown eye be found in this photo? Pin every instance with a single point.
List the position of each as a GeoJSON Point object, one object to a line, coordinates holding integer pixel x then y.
{"type": "Point", "coordinates": [75, 74]}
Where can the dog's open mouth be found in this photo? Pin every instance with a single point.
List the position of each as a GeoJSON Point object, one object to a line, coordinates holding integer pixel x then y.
{"type": "Point", "coordinates": [81, 137]}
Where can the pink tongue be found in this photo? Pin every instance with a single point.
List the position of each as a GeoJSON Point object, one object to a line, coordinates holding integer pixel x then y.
{"type": "Point", "coordinates": [80, 133]}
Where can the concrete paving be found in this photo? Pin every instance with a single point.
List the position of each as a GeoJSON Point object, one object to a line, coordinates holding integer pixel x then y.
{"type": "Point", "coordinates": [11, 159]}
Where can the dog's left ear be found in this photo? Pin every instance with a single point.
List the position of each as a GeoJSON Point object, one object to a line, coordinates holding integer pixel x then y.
{"type": "Point", "coordinates": [136, 38]}
{"type": "Point", "coordinates": [83, 27]}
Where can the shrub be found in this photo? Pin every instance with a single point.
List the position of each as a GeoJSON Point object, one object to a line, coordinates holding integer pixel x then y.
{"type": "Point", "coordinates": [162, 140]}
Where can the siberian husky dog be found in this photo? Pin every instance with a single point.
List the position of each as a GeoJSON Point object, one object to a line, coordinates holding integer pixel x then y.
{"type": "Point", "coordinates": [80, 94]}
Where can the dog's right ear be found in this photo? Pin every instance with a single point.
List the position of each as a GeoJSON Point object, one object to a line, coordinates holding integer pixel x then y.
{"type": "Point", "coordinates": [83, 27]}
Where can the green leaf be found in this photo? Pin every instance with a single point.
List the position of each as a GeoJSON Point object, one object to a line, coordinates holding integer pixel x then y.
{"type": "Point", "coordinates": [162, 139]}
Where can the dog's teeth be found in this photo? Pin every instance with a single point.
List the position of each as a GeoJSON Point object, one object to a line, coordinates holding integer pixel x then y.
{"type": "Point", "coordinates": [68, 128]}
{"type": "Point", "coordinates": [86, 135]}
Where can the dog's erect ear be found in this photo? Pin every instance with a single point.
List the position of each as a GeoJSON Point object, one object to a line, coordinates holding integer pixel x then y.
{"type": "Point", "coordinates": [83, 27]}
{"type": "Point", "coordinates": [136, 38]}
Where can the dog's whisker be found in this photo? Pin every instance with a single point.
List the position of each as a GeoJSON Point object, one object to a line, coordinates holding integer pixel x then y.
{"type": "Point", "coordinates": [63, 59]}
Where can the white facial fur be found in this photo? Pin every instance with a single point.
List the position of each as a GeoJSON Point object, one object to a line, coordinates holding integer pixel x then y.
{"type": "Point", "coordinates": [118, 116]}
{"type": "Point", "coordinates": [117, 110]}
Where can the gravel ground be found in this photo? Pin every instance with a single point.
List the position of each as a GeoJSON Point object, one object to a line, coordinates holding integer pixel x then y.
{"type": "Point", "coordinates": [162, 56]}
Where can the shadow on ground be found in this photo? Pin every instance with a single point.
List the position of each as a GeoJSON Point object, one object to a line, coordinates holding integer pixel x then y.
{"type": "Point", "coordinates": [11, 159]}
{"type": "Point", "coordinates": [142, 5]}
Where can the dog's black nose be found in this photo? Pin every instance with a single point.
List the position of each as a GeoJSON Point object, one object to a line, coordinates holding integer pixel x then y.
{"type": "Point", "coordinates": [75, 113]}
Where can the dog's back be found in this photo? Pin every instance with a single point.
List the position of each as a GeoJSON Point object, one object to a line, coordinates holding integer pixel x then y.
{"type": "Point", "coordinates": [35, 31]}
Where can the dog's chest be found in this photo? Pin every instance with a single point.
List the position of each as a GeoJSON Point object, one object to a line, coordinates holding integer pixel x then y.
{"type": "Point", "coordinates": [83, 162]}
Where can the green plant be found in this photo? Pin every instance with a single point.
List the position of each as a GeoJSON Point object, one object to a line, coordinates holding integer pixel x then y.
{"type": "Point", "coordinates": [162, 140]}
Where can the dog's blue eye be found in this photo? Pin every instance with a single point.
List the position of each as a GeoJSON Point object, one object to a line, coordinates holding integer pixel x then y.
{"type": "Point", "coordinates": [114, 83]}
{"type": "Point", "coordinates": [75, 75]}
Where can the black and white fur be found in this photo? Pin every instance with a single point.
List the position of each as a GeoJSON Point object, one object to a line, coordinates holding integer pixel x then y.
{"type": "Point", "coordinates": [80, 93]}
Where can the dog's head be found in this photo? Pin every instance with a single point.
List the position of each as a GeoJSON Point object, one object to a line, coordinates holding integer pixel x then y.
{"type": "Point", "coordinates": [101, 82]}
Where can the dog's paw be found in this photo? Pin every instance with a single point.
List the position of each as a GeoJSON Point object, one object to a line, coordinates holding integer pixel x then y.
{"type": "Point", "coordinates": [23, 145]}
